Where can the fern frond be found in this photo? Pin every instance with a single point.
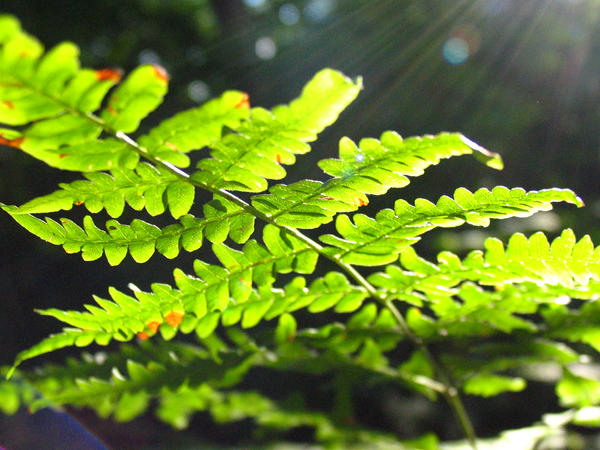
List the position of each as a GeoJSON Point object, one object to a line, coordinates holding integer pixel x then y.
{"type": "Point", "coordinates": [218, 293]}
{"type": "Point", "coordinates": [564, 262]}
{"type": "Point", "coordinates": [244, 160]}
{"type": "Point", "coordinates": [528, 274]}
{"type": "Point", "coordinates": [176, 408]}
{"type": "Point", "coordinates": [196, 128]}
{"type": "Point", "coordinates": [182, 379]}
{"type": "Point", "coordinates": [370, 242]}
{"type": "Point", "coordinates": [141, 239]}
{"type": "Point", "coordinates": [123, 384]}
{"type": "Point", "coordinates": [143, 187]}
{"type": "Point", "coordinates": [372, 167]}
{"type": "Point", "coordinates": [55, 97]}
{"type": "Point", "coordinates": [490, 368]}
{"type": "Point", "coordinates": [470, 310]}
{"type": "Point", "coordinates": [564, 267]}
{"type": "Point", "coordinates": [574, 325]}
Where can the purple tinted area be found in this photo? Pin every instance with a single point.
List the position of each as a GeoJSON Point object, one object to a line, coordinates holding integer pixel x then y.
{"type": "Point", "coordinates": [46, 429]}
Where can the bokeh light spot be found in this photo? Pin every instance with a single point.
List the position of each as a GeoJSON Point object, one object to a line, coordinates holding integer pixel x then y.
{"type": "Point", "coordinates": [265, 47]}
{"type": "Point", "coordinates": [148, 56]}
{"type": "Point", "coordinates": [318, 10]}
{"type": "Point", "coordinates": [198, 91]}
{"type": "Point", "coordinates": [289, 14]}
{"type": "Point", "coordinates": [255, 3]}
{"type": "Point", "coordinates": [455, 50]}
{"type": "Point", "coordinates": [462, 43]}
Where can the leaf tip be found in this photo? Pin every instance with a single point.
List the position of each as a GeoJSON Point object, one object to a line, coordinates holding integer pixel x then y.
{"type": "Point", "coordinates": [14, 143]}
{"type": "Point", "coordinates": [153, 325]}
{"type": "Point", "coordinates": [11, 371]}
{"type": "Point", "coordinates": [490, 159]}
{"type": "Point", "coordinates": [161, 73]}
{"type": "Point", "coordinates": [108, 74]}
{"type": "Point", "coordinates": [244, 102]}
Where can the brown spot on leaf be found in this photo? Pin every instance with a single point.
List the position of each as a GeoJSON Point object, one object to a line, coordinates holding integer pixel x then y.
{"type": "Point", "coordinates": [244, 103]}
{"type": "Point", "coordinates": [174, 318]}
{"type": "Point", "coordinates": [78, 203]}
{"type": "Point", "coordinates": [113, 75]}
{"type": "Point", "coordinates": [111, 110]}
{"type": "Point", "coordinates": [16, 142]}
{"type": "Point", "coordinates": [9, 105]}
{"type": "Point", "coordinates": [143, 335]}
{"type": "Point", "coordinates": [171, 146]}
{"type": "Point", "coordinates": [362, 202]}
{"type": "Point", "coordinates": [161, 73]}
{"type": "Point", "coordinates": [278, 158]}
{"type": "Point", "coordinates": [62, 155]}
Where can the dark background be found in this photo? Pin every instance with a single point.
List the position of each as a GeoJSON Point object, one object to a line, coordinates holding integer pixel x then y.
{"type": "Point", "coordinates": [521, 78]}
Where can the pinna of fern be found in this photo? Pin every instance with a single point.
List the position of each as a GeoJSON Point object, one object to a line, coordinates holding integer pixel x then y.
{"type": "Point", "coordinates": [81, 120]}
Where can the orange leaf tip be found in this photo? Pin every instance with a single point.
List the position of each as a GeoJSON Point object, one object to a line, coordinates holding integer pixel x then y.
{"type": "Point", "coordinates": [113, 75]}
{"type": "Point", "coordinates": [153, 326]}
{"type": "Point", "coordinates": [244, 102]}
{"type": "Point", "coordinates": [143, 335]}
{"type": "Point", "coordinates": [160, 73]}
{"type": "Point", "coordinates": [16, 142]}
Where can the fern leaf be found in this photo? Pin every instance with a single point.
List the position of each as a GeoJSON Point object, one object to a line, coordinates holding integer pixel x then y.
{"type": "Point", "coordinates": [138, 95]}
{"type": "Point", "coordinates": [243, 161]}
{"type": "Point", "coordinates": [470, 310]}
{"type": "Point", "coordinates": [183, 380]}
{"type": "Point", "coordinates": [564, 267]}
{"type": "Point", "coordinates": [216, 294]}
{"type": "Point", "coordinates": [372, 167]}
{"type": "Point", "coordinates": [143, 187]}
{"type": "Point", "coordinates": [51, 95]}
{"type": "Point", "coordinates": [141, 239]}
{"type": "Point", "coordinates": [483, 371]}
{"type": "Point", "coordinates": [129, 384]}
{"type": "Point", "coordinates": [196, 128]}
{"type": "Point", "coordinates": [574, 325]}
{"type": "Point", "coordinates": [530, 273]}
{"type": "Point", "coordinates": [565, 262]}
{"type": "Point", "coordinates": [67, 338]}
{"type": "Point", "coordinates": [370, 242]}
{"type": "Point", "coordinates": [567, 266]}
